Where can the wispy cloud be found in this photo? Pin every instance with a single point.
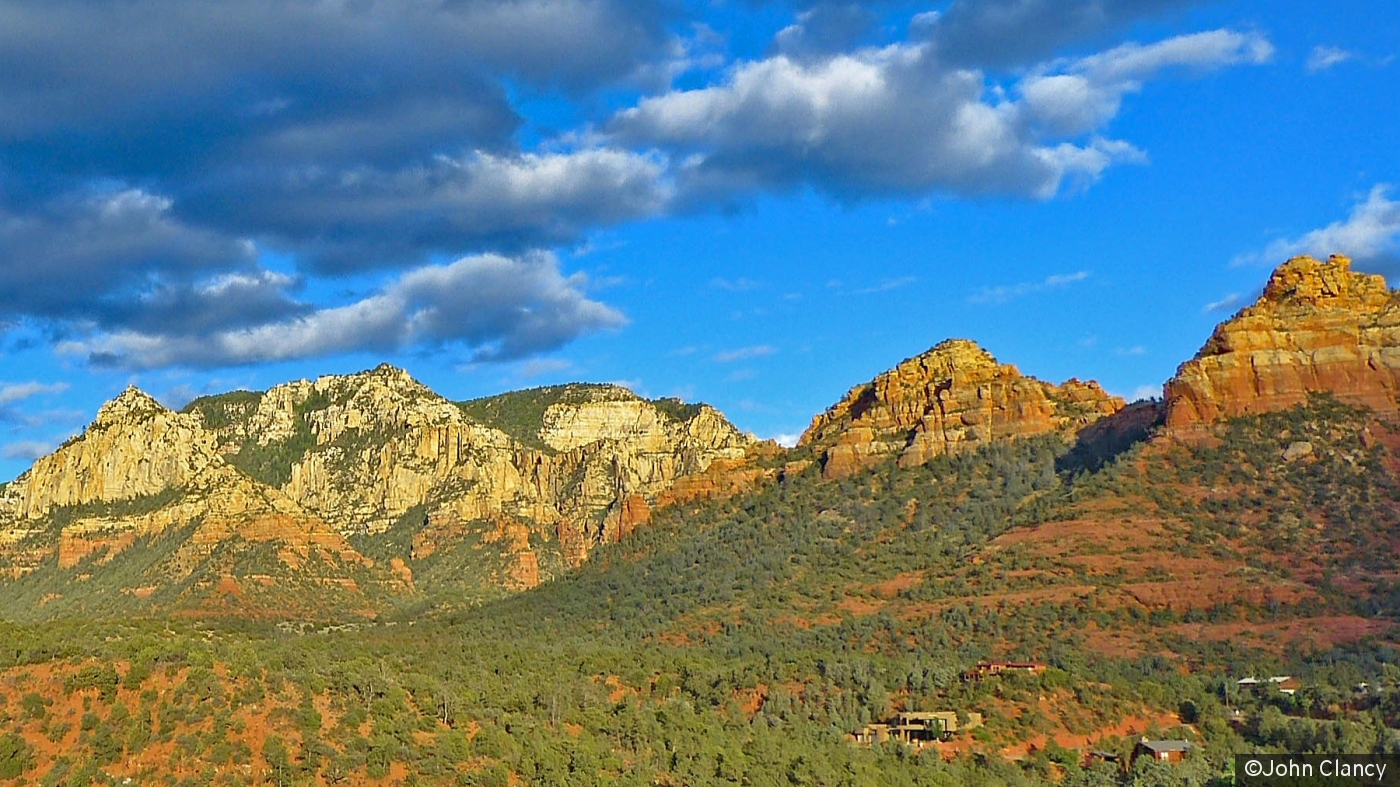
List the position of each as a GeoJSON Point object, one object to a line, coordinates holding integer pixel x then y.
{"type": "Point", "coordinates": [27, 449]}
{"type": "Point", "coordinates": [1009, 292]}
{"type": "Point", "coordinates": [745, 353]}
{"type": "Point", "coordinates": [1324, 57]}
{"type": "Point", "coordinates": [536, 367]}
{"type": "Point", "coordinates": [1370, 234]}
{"type": "Point", "coordinates": [1145, 392]}
{"type": "Point", "coordinates": [740, 284]}
{"type": "Point", "coordinates": [885, 285]}
{"type": "Point", "coordinates": [1226, 304]}
{"type": "Point", "coordinates": [16, 392]}
{"type": "Point", "coordinates": [1136, 349]}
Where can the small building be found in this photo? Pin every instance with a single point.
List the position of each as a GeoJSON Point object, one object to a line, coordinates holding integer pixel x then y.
{"type": "Point", "coordinates": [1162, 751]}
{"type": "Point", "coordinates": [1286, 684]}
{"type": "Point", "coordinates": [987, 669]}
{"type": "Point", "coordinates": [918, 727]}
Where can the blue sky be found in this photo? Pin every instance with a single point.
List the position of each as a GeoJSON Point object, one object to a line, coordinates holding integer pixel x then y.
{"type": "Point", "coordinates": [753, 204]}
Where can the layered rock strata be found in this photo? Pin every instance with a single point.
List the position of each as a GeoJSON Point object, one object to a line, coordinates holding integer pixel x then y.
{"type": "Point", "coordinates": [1317, 327]}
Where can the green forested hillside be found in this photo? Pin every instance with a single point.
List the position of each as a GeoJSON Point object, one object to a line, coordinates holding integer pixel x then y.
{"type": "Point", "coordinates": [743, 641]}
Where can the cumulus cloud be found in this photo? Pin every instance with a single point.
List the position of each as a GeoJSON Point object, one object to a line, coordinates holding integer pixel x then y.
{"type": "Point", "coordinates": [786, 439]}
{"type": "Point", "coordinates": [149, 145]}
{"type": "Point", "coordinates": [1010, 292]}
{"type": "Point", "coordinates": [894, 120]}
{"type": "Point", "coordinates": [1370, 235]}
{"type": "Point", "coordinates": [62, 258]}
{"type": "Point", "coordinates": [105, 64]}
{"type": "Point", "coordinates": [1322, 58]}
{"type": "Point", "coordinates": [740, 284]}
{"type": "Point", "coordinates": [123, 263]}
{"type": "Point", "coordinates": [1145, 392]}
{"type": "Point", "coordinates": [394, 217]}
{"type": "Point", "coordinates": [158, 155]}
{"type": "Point", "coordinates": [500, 308]}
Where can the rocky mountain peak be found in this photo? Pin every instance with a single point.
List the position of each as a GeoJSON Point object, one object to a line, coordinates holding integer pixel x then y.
{"type": "Point", "coordinates": [954, 395]}
{"type": "Point", "coordinates": [957, 355]}
{"type": "Point", "coordinates": [130, 406]}
{"type": "Point", "coordinates": [1305, 281]}
{"type": "Point", "coordinates": [382, 378]}
{"type": "Point", "coordinates": [1319, 326]}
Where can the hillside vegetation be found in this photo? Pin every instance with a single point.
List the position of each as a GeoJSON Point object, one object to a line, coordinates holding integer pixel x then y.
{"type": "Point", "coordinates": [743, 641]}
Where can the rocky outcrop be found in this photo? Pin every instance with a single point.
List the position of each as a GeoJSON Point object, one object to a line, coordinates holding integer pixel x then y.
{"type": "Point", "coordinates": [1319, 326]}
{"type": "Point", "coordinates": [363, 450]}
{"type": "Point", "coordinates": [135, 448]}
{"type": "Point", "coordinates": [954, 396]}
{"type": "Point", "coordinates": [140, 470]}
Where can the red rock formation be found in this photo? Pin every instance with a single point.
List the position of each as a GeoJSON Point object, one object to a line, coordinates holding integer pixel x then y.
{"type": "Point", "coordinates": [635, 511]}
{"type": "Point", "coordinates": [1319, 326]}
{"type": "Point", "coordinates": [953, 396]}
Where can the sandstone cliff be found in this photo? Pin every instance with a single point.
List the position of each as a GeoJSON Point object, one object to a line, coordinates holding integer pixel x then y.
{"type": "Point", "coordinates": [1319, 326]}
{"type": "Point", "coordinates": [954, 396]}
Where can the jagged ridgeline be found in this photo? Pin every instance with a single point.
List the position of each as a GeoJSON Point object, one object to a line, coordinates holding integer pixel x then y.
{"type": "Point", "coordinates": [385, 493]}
{"type": "Point", "coordinates": [415, 495]}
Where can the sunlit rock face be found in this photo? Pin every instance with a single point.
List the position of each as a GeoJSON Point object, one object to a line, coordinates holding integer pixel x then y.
{"type": "Point", "coordinates": [1318, 327]}
{"type": "Point", "coordinates": [952, 397]}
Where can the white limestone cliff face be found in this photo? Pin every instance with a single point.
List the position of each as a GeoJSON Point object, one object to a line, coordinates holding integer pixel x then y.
{"type": "Point", "coordinates": [139, 470]}
{"type": "Point", "coordinates": [381, 444]}
{"type": "Point", "coordinates": [134, 448]}
{"type": "Point", "coordinates": [310, 463]}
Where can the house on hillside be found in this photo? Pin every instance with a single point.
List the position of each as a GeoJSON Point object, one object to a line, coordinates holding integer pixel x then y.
{"type": "Point", "coordinates": [918, 727]}
{"type": "Point", "coordinates": [1286, 684]}
{"type": "Point", "coordinates": [1162, 751]}
{"type": "Point", "coordinates": [988, 669]}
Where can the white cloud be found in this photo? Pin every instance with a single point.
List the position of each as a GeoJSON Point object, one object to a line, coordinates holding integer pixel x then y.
{"type": "Point", "coordinates": [745, 353]}
{"type": "Point", "coordinates": [16, 392]}
{"type": "Point", "coordinates": [1072, 97]}
{"type": "Point", "coordinates": [1369, 235]}
{"type": "Point", "coordinates": [786, 439]}
{"type": "Point", "coordinates": [1008, 292]}
{"type": "Point", "coordinates": [536, 367]}
{"type": "Point", "coordinates": [27, 449]}
{"type": "Point", "coordinates": [1324, 57]}
{"type": "Point", "coordinates": [502, 308]}
{"type": "Point", "coordinates": [894, 120]}
{"type": "Point", "coordinates": [1226, 304]}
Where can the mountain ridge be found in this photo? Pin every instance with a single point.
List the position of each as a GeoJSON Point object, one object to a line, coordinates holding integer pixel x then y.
{"type": "Point", "coordinates": [508, 491]}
